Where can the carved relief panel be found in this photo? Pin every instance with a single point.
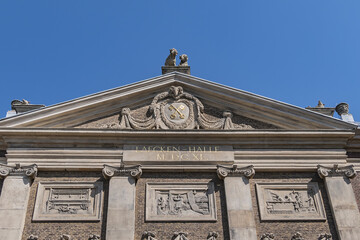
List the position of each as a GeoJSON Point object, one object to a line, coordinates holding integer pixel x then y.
{"type": "Point", "coordinates": [180, 202]}
{"type": "Point", "coordinates": [68, 201]}
{"type": "Point", "coordinates": [279, 201]}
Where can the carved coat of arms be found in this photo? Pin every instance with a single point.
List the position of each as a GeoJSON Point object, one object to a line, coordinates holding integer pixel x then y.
{"type": "Point", "coordinates": [175, 109]}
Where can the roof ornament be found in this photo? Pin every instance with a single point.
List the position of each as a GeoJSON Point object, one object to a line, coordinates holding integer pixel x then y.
{"type": "Point", "coordinates": [170, 63]}
{"type": "Point", "coordinates": [343, 110]}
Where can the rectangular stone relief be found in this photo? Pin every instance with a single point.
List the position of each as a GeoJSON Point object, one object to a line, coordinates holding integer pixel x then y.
{"type": "Point", "coordinates": [180, 202]}
{"type": "Point", "coordinates": [295, 201]}
{"type": "Point", "coordinates": [68, 201]}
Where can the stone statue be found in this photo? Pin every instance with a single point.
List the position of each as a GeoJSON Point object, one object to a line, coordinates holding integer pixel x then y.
{"type": "Point", "coordinates": [183, 60]}
{"type": "Point", "coordinates": [325, 236]}
{"type": "Point", "coordinates": [171, 59]}
{"type": "Point", "coordinates": [267, 236]}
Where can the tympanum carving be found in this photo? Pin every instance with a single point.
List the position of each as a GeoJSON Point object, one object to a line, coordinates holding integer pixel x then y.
{"type": "Point", "coordinates": [279, 201]}
{"type": "Point", "coordinates": [33, 237]}
{"type": "Point", "coordinates": [346, 171]}
{"type": "Point", "coordinates": [94, 237]}
{"type": "Point", "coordinates": [65, 237]}
{"type": "Point", "coordinates": [175, 109]}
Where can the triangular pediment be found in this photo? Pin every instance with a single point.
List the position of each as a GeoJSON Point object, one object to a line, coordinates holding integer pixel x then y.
{"type": "Point", "coordinates": [223, 106]}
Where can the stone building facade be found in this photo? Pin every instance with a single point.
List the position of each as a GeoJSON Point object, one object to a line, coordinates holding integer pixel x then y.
{"type": "Point", "coordinates": [178, 157]}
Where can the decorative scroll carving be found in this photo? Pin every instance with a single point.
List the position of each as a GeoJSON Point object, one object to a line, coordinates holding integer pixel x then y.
{"type": "Point", "coordinates": [297, 236]}
{"type": "Point", "coordinates": [267, 236]}
{"type": "Point", "coordinates": [33, 237]}
{"type": "Point", "coordinates": [223, 171]}
{"type": "Point", "coordinates": [65, 237]}
{"type": "Point", "coordinates": [325, 236]}
{"type": "Point", "coordinates": [279, 201]}
{"type": "Point", "coordinates": [180, 236]}
{"type": "Point", "coordinates": [180, 202]}
{"type": "Point", "coordinates": [212, 236]}
{"type": "Point", "coordinates": [147, 235]}
{"type": "Point", "coordinates": [29, 171]}
{"type": "Point", "coordinates": [347, 171]}
{"type": "Point", "coordinates": [175, 109]}
{"type": "Point", "coordinates": [94, 237]}
{"type": "Point", "coordinates": [133, 171]}
{"type": "Point", "coordinates": [68, 201]}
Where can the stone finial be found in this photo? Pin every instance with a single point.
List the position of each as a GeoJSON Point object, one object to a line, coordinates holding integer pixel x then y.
{"type": "Point", "coordinates": [133, 171]}
{"type": "Point", "coordinates": [320, 105]}
{"type": "Point", "coordinates": [342, 108]}
{"type": "Point", "coordinates": [171, 59]}
{"type": "Point", "coordinates": [94, 237]}
{"type": "Point", "coordinates": [224, 171]}
{"type": "Point", "coordinates": [180, 236]}
{"type": "Point", "coordinates": [297, 236]}
{"type": "Point", "coordinates": [65, 237]}
{"type": "Point", "coordinates": [21, 106]}
{"type": "Point", "coordinates": [325, 236]}
{"type": "Point", "coordinates": [183, 60]}
{"type": "Point", "coordinates": [267, 236]}
{"type": "Point", "coordinates": [347, 171]}
{"type": "Point", "coordinates": [147, 235]}
{"type": "Point", "coordinates": [29, 171]}
{"type": "Point", "coordinates": [212, 236]}
{"type": "Point", "coordinates": [33, 237]}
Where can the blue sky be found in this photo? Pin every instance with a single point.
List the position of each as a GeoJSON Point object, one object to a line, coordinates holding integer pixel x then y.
{"type": "Point", "coordinates": [293, 51]}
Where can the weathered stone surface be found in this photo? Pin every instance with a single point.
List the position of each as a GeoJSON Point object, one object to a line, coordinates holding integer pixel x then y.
{"type": "Point", "coordinates": [280, 201]}
{"type": "Point", "coordinates": [68, 201]}
{"type": "Point", "coordinates": [180, 202]}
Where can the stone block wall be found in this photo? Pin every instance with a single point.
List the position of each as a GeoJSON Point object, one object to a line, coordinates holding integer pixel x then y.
{"type": "Point", "coordinates": [53, 230]}
{"type": "Point", "coordinates": [196, 230]}
{"type": "Point", "coordinates": [355, 182]}
{"type": "Point", "coordinates": [283, 230]}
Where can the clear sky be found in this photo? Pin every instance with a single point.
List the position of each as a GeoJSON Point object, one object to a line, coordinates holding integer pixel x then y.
{"type": "Point", "coordinates": [293, 51]}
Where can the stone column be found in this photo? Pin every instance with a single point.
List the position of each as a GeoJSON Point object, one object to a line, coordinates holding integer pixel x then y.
{"type": "Point", "coordinates": [14, 199]}
{"type": "Point", "coordinates": [238, 202]}
{"type": "Point", "coordinates": [342, 200]}
{"type": "Point", "coordinates": [121, 203]}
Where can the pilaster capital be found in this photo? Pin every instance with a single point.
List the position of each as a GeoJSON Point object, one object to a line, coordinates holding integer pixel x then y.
{"type": "Point", "coordinates": [17, 170]}
{"type": "Point", "coordinates": [347, 171]}
{"type": "Point", "coordinates": [223, 171]}
{"type": "Point", "coordinates": [131, 171]}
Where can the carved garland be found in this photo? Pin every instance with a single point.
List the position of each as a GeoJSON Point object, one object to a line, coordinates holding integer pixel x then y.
{"type": "Point", "coordinates": [347, 171]}
{"type": "Point", "coordinates": [223, 171]}
{"type": "Point", "coordinates": [133, 171]}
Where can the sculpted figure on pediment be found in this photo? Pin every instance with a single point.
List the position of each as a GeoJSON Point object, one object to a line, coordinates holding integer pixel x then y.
{"type": "Point", "coordinates": [175, 109]}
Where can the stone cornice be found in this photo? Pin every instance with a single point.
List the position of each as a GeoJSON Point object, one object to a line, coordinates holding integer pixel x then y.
{"type": "Point", "coordinates": [223, 171]}
{"type": "Point", "coordinates": [132, 171]}
{"type": "Point", "coordinates": [29, 171]}
{"type": "Point", "coordinates": [347, 171]}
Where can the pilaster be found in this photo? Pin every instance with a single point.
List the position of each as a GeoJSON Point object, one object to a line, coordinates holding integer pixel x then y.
{"type": "Point", "coordinates": [14, 199]}
{"type": "Point", "coordinates": [238, 201]}
{"type": "Point", "coordinates": [121, 203]}
{"type": "Point", "coordinates": [342, 200]}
